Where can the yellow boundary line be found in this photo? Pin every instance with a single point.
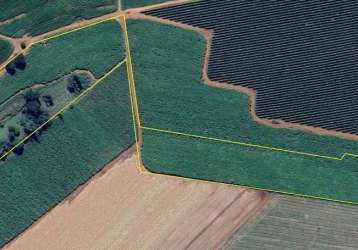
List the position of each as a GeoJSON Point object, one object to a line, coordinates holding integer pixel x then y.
{"type": "Point", "coordinates": [137, 123]}
{"type": "Point", "coordinates": [133, 98]}
{"type": "Point", "coordinates": [250, 187]}
{"type": "Point", "coordinates": [77, 98]}
{"type": "Point", "coordinates": [68, 105]}
{"type": "Point", "coordinates": [249, 144]}
{"type": "Point", "coordinates": [3, 65]}
{"type": "Point", "coordinates": [142, 169]}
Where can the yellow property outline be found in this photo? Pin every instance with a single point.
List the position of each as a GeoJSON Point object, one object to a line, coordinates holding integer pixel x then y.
{"type": "Point", "coordinates": [137, 123]}
{"type": "Point", "coordinates": [77, 98]}
{"type": "Point", "coordinates": [142, 169]}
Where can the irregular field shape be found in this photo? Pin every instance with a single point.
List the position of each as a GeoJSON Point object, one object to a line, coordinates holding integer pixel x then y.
{"type": "Point", "coordinates": [5, 50]}
{"type": "Point", "coordinates": [83, 49]}
{"type": "Point", "coordinates": [93, 132]}
{"type": "Point", "coordinates": [297, 223]}
{"type": "Point", "coordinates": [41, 16]}
{"type": "Point", "coordinates": [12, 115]}
{"type": "Point", "coordinates": [171, 96]}
{"type": "Point", "coordinates": [170, 213]}
{"type": "Point", "coordinates": [300, 58]}
{"type": "Point", "coordinates": [234, 164]}
{"type": "Point", "coordinates": [127, 4]}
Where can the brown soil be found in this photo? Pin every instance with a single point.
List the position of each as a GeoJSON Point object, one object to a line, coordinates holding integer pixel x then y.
{"type": "Point", "coordinates": [121, 209]}
{"type": "Point", "coordinates": [208, 34]}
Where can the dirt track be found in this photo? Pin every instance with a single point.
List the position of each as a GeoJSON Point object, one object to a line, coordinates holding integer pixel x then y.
{"type": "Point", "coordinates": [120, 209]}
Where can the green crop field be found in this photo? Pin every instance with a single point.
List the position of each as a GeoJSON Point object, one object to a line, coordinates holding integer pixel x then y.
{"type": "Point", "coordinates": [74, 148]}
{"type": "Point", "coordinates": [83, 49]}
{"type": "Point", "coordinates": [35, 17]}
{"type": "Point", "coordinates": [78, 143]}
{"type": "Point", "coordinates": [47, 69]}
{"type": "Point", "coordinates": [298, 223]}
{"type": "Point", "coordinates": [5, 50]}
{"type": "Point", "coordinates": [126, 4]}
{"type": "Point", "coordinates": [172, 96]}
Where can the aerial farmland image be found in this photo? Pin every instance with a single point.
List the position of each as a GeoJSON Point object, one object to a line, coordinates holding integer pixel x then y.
{"type": "Point", "coordinates": [178, 124]}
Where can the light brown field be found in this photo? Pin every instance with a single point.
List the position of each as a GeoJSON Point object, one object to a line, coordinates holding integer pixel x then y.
{"type": "Point", "coordinates": [121, 209]}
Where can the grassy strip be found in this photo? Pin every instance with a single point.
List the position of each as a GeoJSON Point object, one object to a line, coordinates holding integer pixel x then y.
{"type": "Point", "coordinates": [5, 50]}
{"type": "Point", "coordinates": [41, 16]}
{"type": "Point", "coordinates": [74, 148]}
{"type": "Point", "coordinates": [127, 4]}
{"type": "Point", "coordinates": [172, 96]}
{"type": "Point", "coordinates": [83, 49]}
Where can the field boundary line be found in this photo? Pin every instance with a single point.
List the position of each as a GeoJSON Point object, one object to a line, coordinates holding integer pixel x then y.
{"type": "Point", "coordinates": [4, 64]}
{"type": "Point", "coordinates": [76, 29]}
{"type": "Point", "coordinates": [327, 157]}
{"type": "Point", "coordinates": [143, 170]}
{"type": "Point", "coordinates": [249, 187]}
{"type": "Point", "coordinates": [133, 96]}
{"type": "Point", "coordinates": [68, 105]}
{"type": "Point", "coordinates": [77, 98]}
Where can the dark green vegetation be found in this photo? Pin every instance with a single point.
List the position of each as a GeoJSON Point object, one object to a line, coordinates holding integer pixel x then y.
{"type": "Point", "coordinates": [127, 4]}
{"type": "Point", "coordinates": [5, 50]}
{"type": "Point", "coordinates": [297, 223]}
{"type": "Point", "coordinates": [31, 107]}
{"type": "Point", "coordinates": [83, 49]}
{"type": "Point", "coordinates": [75, 147]}
{"type": "Point", "coordinates": [35, 17]}
{"type": "Point", "coordinates": [172, 96]}
{"type": "Point", "coordinates": [229, 163]}
{"type": "Point", "coordinates": [51, 73]}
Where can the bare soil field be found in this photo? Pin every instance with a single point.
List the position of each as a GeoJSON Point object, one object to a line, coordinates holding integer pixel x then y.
{"type": "Point", "coordinates": [121, 209]}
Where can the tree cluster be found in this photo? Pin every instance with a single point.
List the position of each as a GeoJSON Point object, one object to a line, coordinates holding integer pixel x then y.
{"type": "Point", "coordinates": [19, 63]}
{"type": "Point", "coordinates": [74, 85]}
{"type": "Point", "coordinates": [33, 117]}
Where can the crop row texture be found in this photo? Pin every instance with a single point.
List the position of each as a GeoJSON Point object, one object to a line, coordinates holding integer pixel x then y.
{"type": "Point", "coordinates": [299, 57]}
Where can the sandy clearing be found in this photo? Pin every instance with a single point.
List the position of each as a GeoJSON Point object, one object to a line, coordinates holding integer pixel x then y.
{"type": "Point", "coordinates": [121, 209]}
{"type": "Point", "coordinates": [208, 35]}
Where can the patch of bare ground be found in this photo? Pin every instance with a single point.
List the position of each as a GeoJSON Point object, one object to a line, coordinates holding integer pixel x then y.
{"type": "Point", "coordinates": [208, 35]}
{"type": "Point", "coordinates": [122, 209]}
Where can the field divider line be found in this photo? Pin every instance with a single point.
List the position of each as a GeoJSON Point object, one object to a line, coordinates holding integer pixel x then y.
{"type": "Point", "coordinates": [130, 70]}
{"type": "Point", "coordinates": [3, 65]}
{"type": "Point", "coordinates": [248, 144]}
{"type": "Point", "coordinates": [76, 29]}
{"type": "Point", "coordinates": [132, 92]}
{"type": "Point", "coordinates": [249, 187]}
{"type": "Point", "coordinates": [68, 105]}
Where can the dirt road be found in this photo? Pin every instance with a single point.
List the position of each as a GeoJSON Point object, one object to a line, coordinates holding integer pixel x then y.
{"type": "Point", "coordinates": [121, 209]}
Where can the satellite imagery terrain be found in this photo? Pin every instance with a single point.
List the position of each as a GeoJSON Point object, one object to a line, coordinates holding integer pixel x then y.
{"type": "Point", "coordinates": [178, 124]}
